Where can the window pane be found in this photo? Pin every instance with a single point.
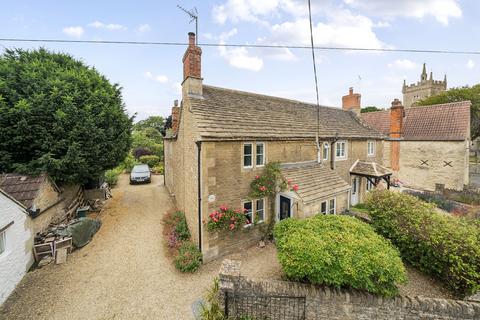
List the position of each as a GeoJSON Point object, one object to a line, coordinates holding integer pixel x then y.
{"type": "Point", "coordinates": [260, 210]}
{"type": "Point", "coordinates": [247, 208]}
{"type": "Point", "coordinates": [323, 208]}
{"type": "Point", "coordinates": [247, 155]}
{"type": "Point", "coordinates": [325, 151]}
{"type": "Point", "coordinates": [259, 159]}
{"type": "Point", "coordinates": [260, 154]}
{"type": "Point", "coordinates": [2, 242]}
{"type": "Point", "coordinates": [332, 206]}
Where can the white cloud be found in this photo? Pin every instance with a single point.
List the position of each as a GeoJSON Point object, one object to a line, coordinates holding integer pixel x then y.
{"type": "Point", "coordinates": [403, 64]}
{"type": "Point", "coordinates": [240, 58]}
{"type": "Point", "coordinates": [441, 10]}
{"type": "Point", "coordinates": [177, 87]}
{"type": "Point", "coordinates": [470, 64]}
{"type": "Point", "coordinates": [109, 26]}
{"type": "Point", "coordinates": [144, 28]}
{"type": "Point", "coordinates": [159, 78]}
{"type": "Point", "coordinates": [75, 32]}
{"type": "Point", "coordinates": [243, 10]}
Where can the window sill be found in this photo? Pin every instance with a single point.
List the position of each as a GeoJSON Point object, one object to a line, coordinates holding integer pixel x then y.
{"type": "Point", "coordinates": [341, 159]}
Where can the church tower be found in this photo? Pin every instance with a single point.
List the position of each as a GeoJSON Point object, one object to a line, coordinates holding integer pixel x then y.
{"type": "Point", "coordinates": [424, 88]}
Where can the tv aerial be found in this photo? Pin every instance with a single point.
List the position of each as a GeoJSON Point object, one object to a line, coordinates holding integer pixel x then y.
{"type": "Point", "coordinates": [193, 14]}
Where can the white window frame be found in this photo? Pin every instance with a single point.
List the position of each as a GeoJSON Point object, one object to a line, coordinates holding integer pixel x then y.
{"type": "Point", "coordinates": [326, 151]}
{"type": "Point", "coordinates": [256, 210]}
{"type": "Point", "coordinates": [370, 143]}
{"type": "Point", "coordinates": [3, 241]}
{"type": "Point", "coordinates": [326, 207]}
{"type": "Point", "coordinates": [337, 144]}
{"type": "Point", "coordinates": [251, 212]}
{"type": "Point", "coordinates": [334, 206]}
{"type": "Point", "coordinates": [251, 155]}
{"type": "Point", "coordinates": [263, 154]}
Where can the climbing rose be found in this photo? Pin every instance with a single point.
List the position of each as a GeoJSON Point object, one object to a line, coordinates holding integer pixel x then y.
{"type": "Point", "coordinates": [295, 187]}
{"type": "Point", "coordinates": [257, 177]}
{"type": "Point", "coordinates": [262, 188]}
{"type": "Point", "coordinates": [232, 226]}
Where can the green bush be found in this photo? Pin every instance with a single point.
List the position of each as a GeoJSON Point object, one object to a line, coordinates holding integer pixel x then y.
{"type": "Point", "coordinates": [189, 258]}
{"type": "Point", "coordinates": [151, 160]}
{"type": "Point", "coordinates": [159, 168]}
{"type": "Point", "coordinates": [129, 162]}
{"type": "Point", "coordinates": [339, 251]}
{"type": "Point", "coordinates": [111, 176]}
{"type": "Point", "coordinates": [181, 226]}
{"type": "Point", "coordinates": [444, 246]}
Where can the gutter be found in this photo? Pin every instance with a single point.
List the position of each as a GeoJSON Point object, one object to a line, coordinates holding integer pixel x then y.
{"type": "Point", "coordinates": [199, 191]}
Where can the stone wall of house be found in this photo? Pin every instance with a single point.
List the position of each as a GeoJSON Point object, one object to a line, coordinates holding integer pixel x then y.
{"type": "Point", "coordinates": [51, 205]}
{"type": "Point", "coordinates": [414, 172]}
{"type": "Point", "coordinates": [181, 169]}
{"type": "Point", "coordinates": [310, 209]}
{"type": "Point", "coordinates": [17, 257]}
{"type": "Point", "coordinates": [226, 182]}
{"type": "Point", "coordinates": [269, 299]}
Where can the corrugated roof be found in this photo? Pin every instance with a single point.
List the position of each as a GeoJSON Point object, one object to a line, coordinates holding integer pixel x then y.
{"type": "Point", "coordinates": [23, 188]}
{"type": "Point", "coordinates": [231, 114]}
{"type": "Point", "coordinates": [440, 122]}
{"type": "Point", "coordinates": [369, 168]}
{"type": "Point", "coordinates": [315, 181]}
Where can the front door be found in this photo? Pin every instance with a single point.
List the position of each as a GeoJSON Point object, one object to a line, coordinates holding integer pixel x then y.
{"type": "Point", "coordinates": [355, 190]}
{"type": "Point", "coordinates": [285, 207]}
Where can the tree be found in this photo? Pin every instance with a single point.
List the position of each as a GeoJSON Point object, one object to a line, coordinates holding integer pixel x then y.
{"type": "Point", "coordinates": [457, 95]}
{"type": "Point", "coordinates": [155, 122]}
{"type": "Point", "coordinates": [60, 116]}
{"type": "Point", "coordinates": [370, 109]}
{"type": "Point", "coordinates": [168, 125]}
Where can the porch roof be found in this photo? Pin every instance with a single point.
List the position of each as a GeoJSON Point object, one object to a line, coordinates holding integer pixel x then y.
{"type": "Point", "coordinates": [370, 169]}
{"type": "Point", "coordinates": [315, 181]}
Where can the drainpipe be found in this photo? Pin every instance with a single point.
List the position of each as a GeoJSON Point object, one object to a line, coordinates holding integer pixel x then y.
{"type": "Point", "coordinates": [199, 163]}
{"type": "Point", "coordinates": [332, 154]}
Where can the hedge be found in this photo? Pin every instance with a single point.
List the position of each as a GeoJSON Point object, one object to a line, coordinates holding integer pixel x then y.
{"type": "Point", "coordinates": [339, 251]}
{"type": "Point", "coordinates": [444, 246]}
{"type": "Point", "coordinates": [151, 160]}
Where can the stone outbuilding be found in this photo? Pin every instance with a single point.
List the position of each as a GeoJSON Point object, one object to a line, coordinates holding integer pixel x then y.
{"type": "Point", "coordinates": [427, 147]}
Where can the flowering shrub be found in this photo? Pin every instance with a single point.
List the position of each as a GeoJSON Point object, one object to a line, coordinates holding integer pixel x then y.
{"type": "Point", "coordinates": [270, 182]}
{"type": "Point", "coordinates": [189, 258]}
{"type": "Point", "coordinates": [226, 219]}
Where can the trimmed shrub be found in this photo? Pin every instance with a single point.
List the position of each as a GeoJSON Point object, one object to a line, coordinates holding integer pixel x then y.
{"type": "Point", "coordinates": [189, 258]}
{"type": "Point", "coordinates": [339, 251]}
{"type": "Point", "coordinates": [141, 151]}
{"type": "Point", "coordinates": [151, 160]}
{"type": "Point", "coordinates": [111, 176]}
{"type": "Point", "coordinates": [159, 168]}
{"type": "Point", "coordinates": [441, 245]}
{"type": "Point", "coordinates": [181, 227]}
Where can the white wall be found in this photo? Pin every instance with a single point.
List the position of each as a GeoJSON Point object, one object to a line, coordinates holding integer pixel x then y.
{"type": "Point", "coordinates": [17, 258]}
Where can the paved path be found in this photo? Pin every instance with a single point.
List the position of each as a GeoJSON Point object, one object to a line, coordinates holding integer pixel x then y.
{"type": "Point", "coordinates": [122, 274]}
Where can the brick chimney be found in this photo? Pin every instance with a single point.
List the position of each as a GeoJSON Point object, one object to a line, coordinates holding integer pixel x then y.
{"type": "Point", "coordinates": [397, 112]}
{"type": "Point", "coordinates": [175, 117]}
{"type": "Point", "coordinates": [351, 102]}
{"type": "Point", "coordinates": [192, 69]}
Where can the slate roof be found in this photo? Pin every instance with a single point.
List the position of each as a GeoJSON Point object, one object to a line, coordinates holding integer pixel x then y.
{"type": "Point", "coordinates": [236, 115]}
{"type": "Point", "coordinates": [440, 122]}
{"type": "Point", "coordinates": [315, 181]}
{"type": "Point", "coordinates": [23, 188]}
{"type": "Point", "coordinates": [369, 168]}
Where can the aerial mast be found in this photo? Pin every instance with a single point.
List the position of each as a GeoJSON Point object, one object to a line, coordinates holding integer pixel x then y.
{"type": "Point", "coordinates": [193, 14]}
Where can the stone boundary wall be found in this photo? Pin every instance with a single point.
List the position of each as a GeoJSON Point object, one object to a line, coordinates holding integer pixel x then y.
{"type": "Point", "coordinates": [333, 304]}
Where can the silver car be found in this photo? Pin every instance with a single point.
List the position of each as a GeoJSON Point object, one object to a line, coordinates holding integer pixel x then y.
{"type": "Point", "coordinates": [140, 174]}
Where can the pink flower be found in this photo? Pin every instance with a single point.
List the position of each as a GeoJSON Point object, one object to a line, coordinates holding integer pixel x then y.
{"type": "Point", "coordinates": [289, 181]}
{"type": "Point", "coordinates": [232, 226]}
{"type": "Point", "coordinates": [245, 210]}
{"type": "Point", "coordinates": [237, 211]}
{"type": "Point", "coordinates": [263, 188]}
{"type": "Point", "coordinates": [257, 177]}
{"type": "Point", "coordinates": [223, 208]}
{"type": "Point", "coordinates": [295, 187]}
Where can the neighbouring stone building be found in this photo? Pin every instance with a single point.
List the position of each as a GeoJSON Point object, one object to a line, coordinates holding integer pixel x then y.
{"type": "Point", "coordinates": [16, 243]}
{"type": "Point", "coordinates": [39, 195]}
{"type": "Point", "coordinates": [221, 139]}
{"type": "Point", "coordinates": [424, 88]}
{"type": "Point", "coordinates": [428, 146]}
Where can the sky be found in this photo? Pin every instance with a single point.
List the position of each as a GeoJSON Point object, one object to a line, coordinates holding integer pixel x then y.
{"type": "Point", "coordinates": [151, 76]}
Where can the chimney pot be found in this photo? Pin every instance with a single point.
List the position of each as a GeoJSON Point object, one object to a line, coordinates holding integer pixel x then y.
{"type": "Point", "coordinates": [350, 90]}
{"type": "Point", "coordinates": [191, 38]}
{"type": "Point", "coordinates": [175, 103]}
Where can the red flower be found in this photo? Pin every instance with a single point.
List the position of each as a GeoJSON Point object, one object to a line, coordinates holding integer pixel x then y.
{"type": "Point", "coordinates": [232, 226]}
{"type": "Point", "coordinates": [295, 187]}
{"type": "Point", "coordinates": [211, 215]}
{"type": "Point", "coordinates": [257, 177]}
{"type": "Point", "coordinates": [223, 208]}
{"type": "Point", "coordinates": [263, 188]}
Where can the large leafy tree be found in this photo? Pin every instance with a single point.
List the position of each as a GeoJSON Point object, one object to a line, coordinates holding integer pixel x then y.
{"type": "Point", "coordinates": [59, 115]}
{"type": "Point", "coordinates": [155, 122]}
{"type": "Point", "coordinates": [370, 109]}
{"type": "Point", "coordinates": [461, 94]}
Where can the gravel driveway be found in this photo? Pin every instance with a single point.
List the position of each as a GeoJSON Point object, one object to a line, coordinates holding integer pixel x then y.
{"type": "Point", "coordinates": [124, 272]}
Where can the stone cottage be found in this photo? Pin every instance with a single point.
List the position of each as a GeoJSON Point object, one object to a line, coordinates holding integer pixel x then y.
{"type": "Point", "coordinates": [39, 195]}
{"type": "Point", "coordinates": [221, 139]}
{"type": "Point", "coordinates": [16, 243]}
{"type": "Point", "coordinates": [427, 147]}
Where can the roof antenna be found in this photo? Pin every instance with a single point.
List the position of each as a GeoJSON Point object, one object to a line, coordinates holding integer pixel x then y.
{"type": "Point", "coordinates": [319, 157]}
{"type": "Point", "coordinates": [193, 13]}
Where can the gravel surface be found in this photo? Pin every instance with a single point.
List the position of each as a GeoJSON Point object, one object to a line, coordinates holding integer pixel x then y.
{"type": "Point", "coordinates": [124, 273]}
